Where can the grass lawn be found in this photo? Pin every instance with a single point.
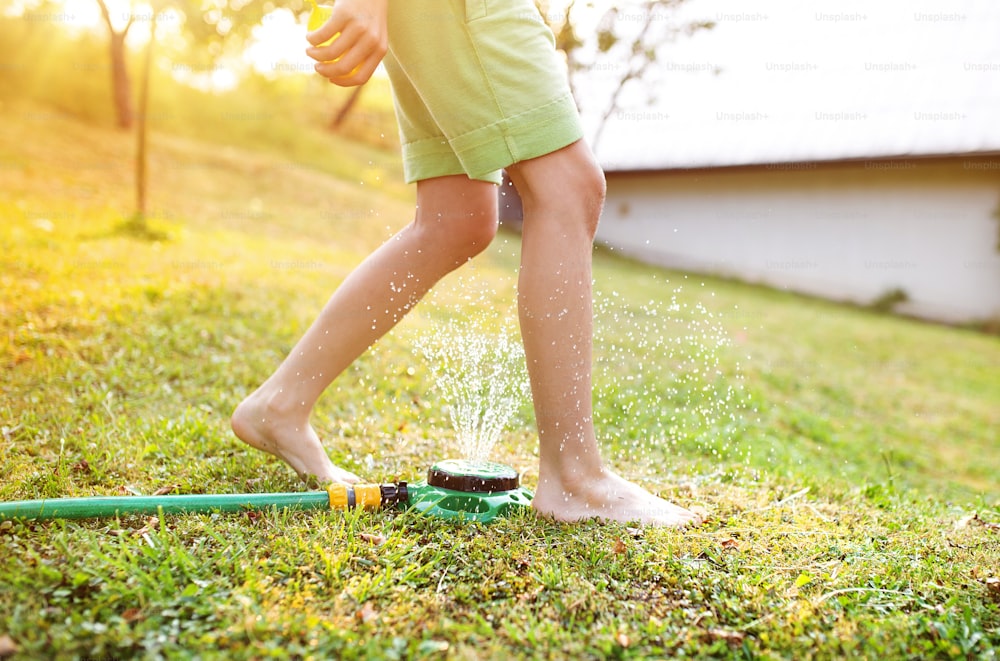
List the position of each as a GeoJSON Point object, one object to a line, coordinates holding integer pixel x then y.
{"type": "Point", "coordinates": [849, 462]}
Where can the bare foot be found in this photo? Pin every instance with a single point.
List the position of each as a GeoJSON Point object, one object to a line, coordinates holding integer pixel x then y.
{"type": "Point", "coordinates": [610, 498]}
{"type": "Point", "coordinates": [294, 442]}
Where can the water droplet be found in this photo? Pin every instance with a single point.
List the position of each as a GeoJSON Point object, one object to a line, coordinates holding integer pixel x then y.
{"type": "Point", "coordinates": [483, 380]}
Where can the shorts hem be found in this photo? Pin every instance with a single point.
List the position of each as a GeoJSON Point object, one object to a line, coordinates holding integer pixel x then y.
{"type": "Point", "coordinates": [528, 135]}
{"type": "Point", "coordinates": [482, 153]}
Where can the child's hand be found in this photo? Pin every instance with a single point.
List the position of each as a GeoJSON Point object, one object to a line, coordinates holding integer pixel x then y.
{"type": "Point", "coordinates": [361, 41]}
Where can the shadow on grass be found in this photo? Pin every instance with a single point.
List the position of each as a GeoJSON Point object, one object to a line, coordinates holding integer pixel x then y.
{"type": "Point", "coordinates": [138, 226]}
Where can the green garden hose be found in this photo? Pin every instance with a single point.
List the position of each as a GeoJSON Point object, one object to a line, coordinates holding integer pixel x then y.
{"type": "Point", "coordinates": [454, 489]}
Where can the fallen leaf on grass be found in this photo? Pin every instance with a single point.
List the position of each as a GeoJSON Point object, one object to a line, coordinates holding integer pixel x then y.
{"type": "Point", "coordinates": [527, 597]}
{"type": "Point", "coordinates": [133, 615]}
{"type": "Point", "coordinates": [993, 587]}
{"type": "Point", "coordinates": [973, 519]}
{"type": "Point", "coordinates": [701, 616]}
{"type": "Point", "coordinates": [252, 514]}
{"type": "Point", "coordinates": [372, 538]}
{"type": "Point", "coordinates": [163, 491]}
{"type": "Point", "coordinates": [152, 523]}
{"type": "Point", "coordinates": [965, 521]}
{"type": "Point", "coordinates": [7, 646]}
{"type": "Point", "coordinates": [731, 637]}
{"type": "Point", "coordinates": [367, 614]}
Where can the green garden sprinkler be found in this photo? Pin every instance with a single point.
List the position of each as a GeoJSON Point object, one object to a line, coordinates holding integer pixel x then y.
{"type": "Point", "coordinates": [454, 489]}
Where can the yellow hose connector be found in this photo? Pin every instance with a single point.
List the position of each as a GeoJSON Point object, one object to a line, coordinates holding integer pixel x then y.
{"type": "Point", "coordinates": [338, 496]}
{"type": "Point", "coordinates": [344, 496]}
{"type": "Point", "coordinates": [367, 496]}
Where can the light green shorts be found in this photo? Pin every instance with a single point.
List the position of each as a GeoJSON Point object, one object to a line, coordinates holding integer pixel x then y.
{"type": "Point", "coordinates": [478, 85]}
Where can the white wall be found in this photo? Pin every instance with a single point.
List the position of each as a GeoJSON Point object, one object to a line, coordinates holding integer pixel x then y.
{"type": "Point", "coordinates": [846, 231]}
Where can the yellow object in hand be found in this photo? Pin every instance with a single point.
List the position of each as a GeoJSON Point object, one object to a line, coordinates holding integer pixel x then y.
{"type": "Point", "coordinates": [320, 14]}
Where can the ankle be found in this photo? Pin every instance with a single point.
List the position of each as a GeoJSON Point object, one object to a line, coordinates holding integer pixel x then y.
{"type": "Point", "coordinates": [571, 474]}
{"type": "Point", "coordinates": [274, 404]}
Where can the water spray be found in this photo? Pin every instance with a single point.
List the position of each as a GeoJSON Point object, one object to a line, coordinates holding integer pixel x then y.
{"type": "Point", "coordinates": [454, 489]}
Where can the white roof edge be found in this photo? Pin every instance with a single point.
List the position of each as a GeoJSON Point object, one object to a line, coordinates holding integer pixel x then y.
{"type": "Point", "coordinates": [788, 164]}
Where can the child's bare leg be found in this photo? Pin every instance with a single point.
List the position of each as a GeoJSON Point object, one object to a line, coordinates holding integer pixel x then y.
{"type": "Point", "coordinates": [455, 220]}
{"type": "Point", "coordinates": [563, 193]}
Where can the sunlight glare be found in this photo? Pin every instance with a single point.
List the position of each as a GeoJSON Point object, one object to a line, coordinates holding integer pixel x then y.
{"type": "Point", "coordinates": [278, 44]}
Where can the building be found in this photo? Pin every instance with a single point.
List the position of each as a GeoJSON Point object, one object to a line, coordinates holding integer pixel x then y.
{"type": "Point", "coordinates": [918, 234]}
{"type": "Point", "coordinates": [852, 155]}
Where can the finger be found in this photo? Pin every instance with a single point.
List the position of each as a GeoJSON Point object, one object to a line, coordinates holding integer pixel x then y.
{"type": "Point", "coordinates": [327, 31]}
{"type": "Point", "coordinates": [335, 50]}
{"type": "Point", "coordinates": [357, 55]}
{"type": "Point", "coordinates": [339, 69]}
{"type": "Point", "coordinates": [359, 76]}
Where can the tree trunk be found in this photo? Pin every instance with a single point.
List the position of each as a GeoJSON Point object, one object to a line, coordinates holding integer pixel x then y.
{"type": "Point", "coordinates": [143, 129]}
{"type": "Point", "coordinates": [121, 88]}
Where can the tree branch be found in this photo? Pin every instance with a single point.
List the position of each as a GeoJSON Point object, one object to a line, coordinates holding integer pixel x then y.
{"type": "Point", "coordinates": [106, 14]}
{"type": "Point", "coordinates": [634, 71]}
{"type": "Point", "coordinates": [107, 20]}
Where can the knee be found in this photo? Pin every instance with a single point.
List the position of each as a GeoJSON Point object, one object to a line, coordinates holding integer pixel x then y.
{"type": "Point", "coordinates": [474, 233]}
{"type": "Point", "coordinates": [461, 232]}
{"type": "Point", "coordinates": [592, 189]}
{"type": "Point", "coordinates": [566, 186]}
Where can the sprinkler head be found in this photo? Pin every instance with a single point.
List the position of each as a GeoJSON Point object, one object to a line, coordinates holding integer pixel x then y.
{"type": "Point", "coordinates": [469, 490]}
{"type": "Point", "coordinates": [473, 476]}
